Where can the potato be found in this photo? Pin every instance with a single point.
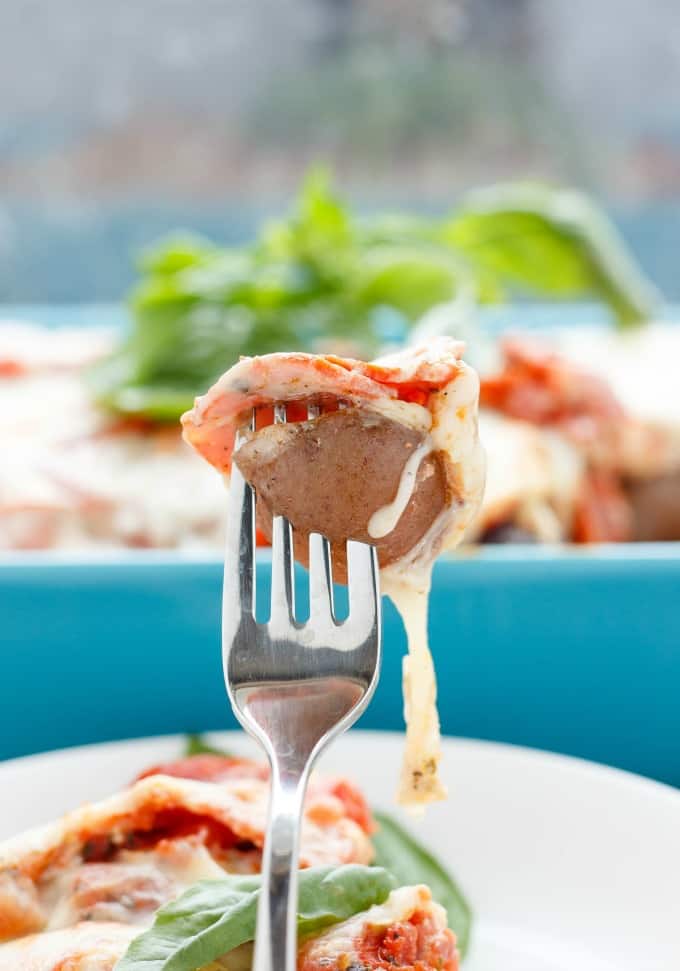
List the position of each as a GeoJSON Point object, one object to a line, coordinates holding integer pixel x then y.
{"type": "Point", "coordinates": [329, 476]}
{"type": "Point", "coordinates": [656, 509]}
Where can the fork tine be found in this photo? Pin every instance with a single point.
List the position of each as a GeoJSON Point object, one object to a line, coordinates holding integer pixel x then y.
{"type": "Point", "coordinates": [321, 607]}
{"type": "Point", "coordinates": [283, 581]}
{"type": "Point", "coordinates": [283, 586]}
{"type": "Point", "coordinates": [239, 595]}
{"type": "Point", "coordinates": [363, 586]}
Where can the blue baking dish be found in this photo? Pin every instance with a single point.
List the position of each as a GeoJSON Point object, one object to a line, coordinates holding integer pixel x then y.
{"type": "Point", "coordinates": [577, 652]}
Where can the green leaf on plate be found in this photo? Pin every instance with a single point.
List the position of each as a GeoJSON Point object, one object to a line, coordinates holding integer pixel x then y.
{"type": "Point", "coordinates": [215, 916]}
{"type": "Point", "coordinates": [195, 745]}
{"type": "Point", "coordinates": [410, 863]}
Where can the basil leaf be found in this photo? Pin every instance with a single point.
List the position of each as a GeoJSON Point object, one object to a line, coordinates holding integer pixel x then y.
{"type": "Point", "coordinates": [216, 916]}
{"type": "Point", "coordinates": [409, 862]}
{"type": "Point", "coordinates": [553, 242]}
{"type": "Point", "coordinates": [195, 745]}
{"type": "Point", "coordinates": [328, 895]}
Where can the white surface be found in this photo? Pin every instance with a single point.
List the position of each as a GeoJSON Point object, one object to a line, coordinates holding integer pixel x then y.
{"type": "Point", "coordinates": [568, 866]}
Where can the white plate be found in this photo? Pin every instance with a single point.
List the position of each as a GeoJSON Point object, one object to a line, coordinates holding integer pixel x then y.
{"type": "Point", "coordinates": [569, 866]}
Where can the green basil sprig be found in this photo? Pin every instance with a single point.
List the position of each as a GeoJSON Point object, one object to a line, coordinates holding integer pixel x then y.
{"type": "Point", "coordinates": [324, 277]}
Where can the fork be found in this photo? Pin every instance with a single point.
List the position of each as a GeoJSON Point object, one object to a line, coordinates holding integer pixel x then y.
{"type": "Point", "coordinates": [293, 686]}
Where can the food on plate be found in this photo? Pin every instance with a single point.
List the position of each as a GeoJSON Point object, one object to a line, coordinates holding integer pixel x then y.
{"type": "Point", "coordinates": [586, 457]}
{"type": "Point", "coordinates": [392, 459]}
{"type": "Point", "coordinates": [89, 946]}
{"type": "Point", "coordinates": [87, 415]}
{"type": "Point", "coordinates": [639, 369]}
{"type": "Point", "coordinates": [78, 478]}
{"type": "Point", "coordinates": [347, 915]}
{"type": "Point", "coordinates": [120, 859]}
{"type": "Point", "coordinates": [410, 862]}
{"type": "Point", "coordinates": [167, 871]}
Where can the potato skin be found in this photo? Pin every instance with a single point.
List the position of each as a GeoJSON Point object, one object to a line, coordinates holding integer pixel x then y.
{"type": "Point", "coordinates": [656, 509]}
{"type": "Point", "coordinates": [330, 475]}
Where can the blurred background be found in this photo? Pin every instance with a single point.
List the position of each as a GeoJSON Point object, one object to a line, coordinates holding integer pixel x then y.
{"type": "Point", "coordinates": [123, 122]}
{"type": "Point", "coordinates": [120, 122]}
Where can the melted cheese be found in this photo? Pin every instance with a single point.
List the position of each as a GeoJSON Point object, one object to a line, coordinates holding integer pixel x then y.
{"type": "Point", "coordinates": [98, 945]}
{"type": "Point", "coordinates": [534, 476]}
{"type": "Point", "coordinates": [454, 433]}
{"type": "Point", "coordinates": [46, 884]}
{"type": "Point", "coordinates": [403, 412]}
{"type": "Point", "coordinates": [637, 365]}
{"type": "Point", "coordinates": [385, 519]}
{"type": "Point", "coordinates": [90, 946]}
{"type": "Point", "coordinates": [419, 781]}
{"type": "Point", "coordinates": [127, 890]}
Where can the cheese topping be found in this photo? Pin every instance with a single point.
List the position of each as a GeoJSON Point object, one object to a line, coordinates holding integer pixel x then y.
{"type": "Point", "coordinates": [122, 858]}
{"type": "Point", "coordinates": [385, 519]}
{"type": "Point", "coordinates": [127, 890]}
{"type": "Point", "coordinates": [453, 433]}
{"type": "Point", "coordinates": [90, 946]}
{"type": "Point", "coordinates": [533, 481]}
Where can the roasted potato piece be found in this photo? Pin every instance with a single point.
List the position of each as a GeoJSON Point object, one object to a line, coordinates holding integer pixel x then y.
{"type": "Point", "coordinates": [329, 476]}
{"type": "Point", "coordinates": [656, 509]}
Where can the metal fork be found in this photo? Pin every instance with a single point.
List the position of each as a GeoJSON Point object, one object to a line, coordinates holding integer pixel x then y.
{"type": "Point", "coordinates": [293, 686]}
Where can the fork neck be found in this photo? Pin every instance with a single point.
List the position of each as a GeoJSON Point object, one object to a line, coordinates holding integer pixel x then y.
{"type": "Point", "coordinates": [276, 943]}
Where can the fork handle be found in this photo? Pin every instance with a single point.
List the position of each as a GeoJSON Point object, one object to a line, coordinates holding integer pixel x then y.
{"type": "Point", "coordinates": [276, 938]}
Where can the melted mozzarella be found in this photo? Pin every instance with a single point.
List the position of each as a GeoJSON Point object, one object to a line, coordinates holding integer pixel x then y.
{"type": "Point", "coordinates": [453, 433]}
{"type": "Point", "coordinates": [385, 519]}
{"type": "Point", "coordinates": [403, 412]}
{"type": "Point", "coordinates": [419, 781]}
{"type": "Point", "coordinates": [638, 366]}
{"type": "Point", "coordinates": [90, 946]}
{"type": "Point", "coordinates": [533, 478]}
{"type": "Point", "coordinates": [128, 889]}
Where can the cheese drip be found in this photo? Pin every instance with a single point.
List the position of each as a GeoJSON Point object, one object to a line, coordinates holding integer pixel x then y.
{"type": "Point", "coordinates": [385, 519]}
{"type": "Point", "coordinates": [419, 783]}
{"type": "Point", "coordinates": [453, 434]}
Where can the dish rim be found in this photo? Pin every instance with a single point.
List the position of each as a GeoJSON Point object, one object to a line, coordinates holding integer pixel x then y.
{"type": "Point", "coordinates": [628, 553]}
{"type": "Point", "coordinates": [470, 746]}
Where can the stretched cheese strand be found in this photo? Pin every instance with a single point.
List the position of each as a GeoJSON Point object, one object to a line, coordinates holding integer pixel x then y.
{"type": "Point", "coordinates": [419, 782]}
{"type": "Point", "coordinates": [454, 434]}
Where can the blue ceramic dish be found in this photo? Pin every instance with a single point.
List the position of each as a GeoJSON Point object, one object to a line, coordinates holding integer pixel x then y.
{"type": "Point", "coordinates": [577, 652]}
